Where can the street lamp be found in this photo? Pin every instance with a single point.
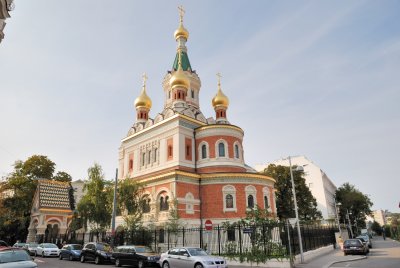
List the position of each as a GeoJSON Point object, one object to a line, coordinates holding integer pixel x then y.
{"type": "Point", "coordinates": [337, 216]}
{"type": "Point", "coordinates": [296, 209]}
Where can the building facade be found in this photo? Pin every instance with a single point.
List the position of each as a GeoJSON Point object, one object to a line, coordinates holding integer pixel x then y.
{"type": "Point", "coordinates": [322, 188]}
{"type": "Point", "coordinates": [187, 162]}
{"type": "Point", "coordinates": [379, 216]}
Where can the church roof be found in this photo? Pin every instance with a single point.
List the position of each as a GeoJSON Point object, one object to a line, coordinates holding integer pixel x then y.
{"type": "Point", "coordinates": [185, 61]}
{"type": "Point", "coordinates": [53, 194]}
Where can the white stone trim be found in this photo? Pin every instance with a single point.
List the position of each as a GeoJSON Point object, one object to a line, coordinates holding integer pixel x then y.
{"type": "Point", "coordinates": [229, 189]}
{"type": "Point", "coordinates": [201, 152]}
{"type": "Point", "coordinates": [251, 190]}
{"type": "Point", "coordinates": [226, 149]}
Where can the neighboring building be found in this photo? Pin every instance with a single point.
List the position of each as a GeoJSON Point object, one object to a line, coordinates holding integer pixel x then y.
{"type": "Point", "coordinates": [51, 211]}
{"type": "Point", "coordinates": [186, 160]}
{"type": "Point", "coordinates": [379, 216]}
{"type": "Point", "coordinates": [5, 7]}
{"type": "Point", "coordinates": [322, 188]}
{"type": "Point", "coordinates": [78, 190]}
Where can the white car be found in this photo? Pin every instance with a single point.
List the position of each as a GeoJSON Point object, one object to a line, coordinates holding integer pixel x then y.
{"type": "Point", "coordinates": [190, 257]}
{"type": "Point", "coordinates": [47, 250]}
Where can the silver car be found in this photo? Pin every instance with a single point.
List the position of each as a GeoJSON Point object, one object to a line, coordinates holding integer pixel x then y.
{"type": "Point", "coordinates": [16, 258]}
{"type": "Point", "coordinates": [185, 257]}
{"type": "Point", "coordinates": [47, 250]}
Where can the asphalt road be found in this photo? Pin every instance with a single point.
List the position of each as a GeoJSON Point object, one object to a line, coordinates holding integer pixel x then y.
{"type": "Point", "coordinates": [384, 254]}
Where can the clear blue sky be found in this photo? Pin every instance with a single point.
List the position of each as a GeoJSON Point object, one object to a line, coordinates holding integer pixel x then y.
{"type": "Point", "coordinates": [313, 78]}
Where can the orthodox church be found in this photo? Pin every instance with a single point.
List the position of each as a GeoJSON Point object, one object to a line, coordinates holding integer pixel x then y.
{"type": "Point", "coordinates": [189, 163]}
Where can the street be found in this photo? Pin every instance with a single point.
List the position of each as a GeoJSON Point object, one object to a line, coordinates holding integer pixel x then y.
{"type": "Point", "coordinates": [384, 254]}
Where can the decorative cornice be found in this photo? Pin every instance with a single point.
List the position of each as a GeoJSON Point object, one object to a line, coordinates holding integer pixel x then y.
{"type": "Point", "coordinates": [55, 210]}
{"type": "Point", "coordinates": [206, 127]}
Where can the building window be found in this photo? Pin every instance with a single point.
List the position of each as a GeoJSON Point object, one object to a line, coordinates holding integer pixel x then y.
{"type": "Point", "coordinates": [231, 234]}
{"type": "Point", "coordinates": [237, 151]}
{"type": "Point", "coordinates": [192, 94]}
{"type": "Point", "coordinates": [130, 164]}
{"type": "Point", "coordinates": [251, 196]}
{"type": "Point", "coordinates": [149, 157]}
{"type": "Point", "coordinates": [229, 201]}
{"type": "Point", "coordinates": [143, 159]}
{"type": "Point", "coordinates": [229, 198]}
{"type": "Point", "coordinates": [250, 201]}
{"type": "Point", "coordinates": [161, 236]}
{"type": "Point", "coordinates": [203, 151]}
{"type": "Point", "coordinates": [189, 199]}
{"type": "Point", "coordinates": [169, 94]}
{"type": "Point", "coordinates": [146, 204]}
{"type": "Point", "coordinates": [170, 151]}
{"type": "Point", "coordinates": [155, 154]}
{"type": "Point", "coordinates": [164, 203]}
{"type": "Point", "coordinates": [221, 149]}
{"type": "Point", "coordinates": [266, 205]}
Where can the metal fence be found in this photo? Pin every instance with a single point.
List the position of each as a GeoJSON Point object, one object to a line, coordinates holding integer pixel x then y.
{"type": "Point", "coordinates": [267, 240]}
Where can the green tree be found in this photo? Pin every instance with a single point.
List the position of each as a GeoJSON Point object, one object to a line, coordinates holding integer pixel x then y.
{"type": "Point", "coordinates": [130, 200]}
{"type": "Point", "coordinates": [62, 176]}
{"type": "Point", "coordinates": [307, 204]}
{"type": "Point", "coordinates": [377, 228]}
{"type": "Point", "coordinates": [355, 206]}
{"type": "Point", "coordinates": [95, 206]}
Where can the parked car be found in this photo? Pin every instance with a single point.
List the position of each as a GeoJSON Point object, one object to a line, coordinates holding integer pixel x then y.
{"type": "Point", "coordinates": [71, 251]}
{"type": "Point", "coordinates": [3, 243]}
{"type": "Point", "coordinates": [138, 256]}
{"type": "Point", "coordinates": [97, 252]}
{"type": "Point", "coordinates": [47, 250]}
{"type": "Point", "coordinates": [31, 247]}
{"type": "Point", "coordinates": [16, 257]}
{"type": "Point", "coordinates": [190, 257]}
{"type": "Point", "coordinates": [19, 245]}
{"type": "Point", "coordinates": [354, 246]}
{"type": "Point", "coordinates": [365, 238]}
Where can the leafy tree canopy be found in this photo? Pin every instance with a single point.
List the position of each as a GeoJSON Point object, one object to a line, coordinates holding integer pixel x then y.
{"type": "Point", "coordinates": [353, 204]}
{"type": "Point", "coordinates": [307, 204]}
{"type": "Point", "coordinates": [131, 201]}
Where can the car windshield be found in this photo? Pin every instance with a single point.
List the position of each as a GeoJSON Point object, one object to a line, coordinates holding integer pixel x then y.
{"type": "Point", "coordinates": [197, 252]}
{"type": "Point", "coordinates": [352, 242]}
{"type": "Point", "coordinates": [104, 247]}
{"type": "Point", "coordinates": [32, 245]}
{"type": "Point", "coordinates": [362, 238]}
{"type": "Point", "coordinates": [50, 246]}
{"type": "Point", "coordinates": [143, 250]}
{"type": "Point", "coordinates": [76, 247]}
{"type": "Point", "coordinates": [14, 256]}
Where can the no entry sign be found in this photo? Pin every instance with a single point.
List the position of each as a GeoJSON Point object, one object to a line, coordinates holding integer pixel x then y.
{"type": "Point", "coordinates": [208, 225]}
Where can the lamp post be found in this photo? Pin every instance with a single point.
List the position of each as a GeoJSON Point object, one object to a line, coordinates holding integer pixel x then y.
{"type": "Point", "coordinates": [296, 211]}
{"type": "Point", "coordinates": [337, 216]}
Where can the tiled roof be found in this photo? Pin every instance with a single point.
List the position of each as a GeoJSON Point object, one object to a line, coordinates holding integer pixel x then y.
{"type": "Point", "coordinates": [53, 194]}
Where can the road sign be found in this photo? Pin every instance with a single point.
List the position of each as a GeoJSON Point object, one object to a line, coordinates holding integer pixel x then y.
{"type": "Point", "coordinates": [208, 225]}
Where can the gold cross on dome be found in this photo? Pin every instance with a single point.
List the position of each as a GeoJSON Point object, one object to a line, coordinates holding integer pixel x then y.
{"type": "Point", "coordinates": [181, 12]}
{"type": "Point", "coordinates": [144, 76]}
{"type": "Point", "coordinates": [219, 78]}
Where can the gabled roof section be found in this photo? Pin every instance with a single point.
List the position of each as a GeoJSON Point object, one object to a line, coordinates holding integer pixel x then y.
{"type": "Point", "coordinates": [185, 61]}
{"type": "Point", "coordinates": [53, 194]}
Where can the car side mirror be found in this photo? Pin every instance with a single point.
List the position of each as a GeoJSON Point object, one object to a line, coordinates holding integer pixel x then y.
{"type": "Point", "coordinates": [185, 254]}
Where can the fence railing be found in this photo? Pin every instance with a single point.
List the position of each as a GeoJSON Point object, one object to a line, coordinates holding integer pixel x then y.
{"type": "Point", "coordinates": [269, 240]}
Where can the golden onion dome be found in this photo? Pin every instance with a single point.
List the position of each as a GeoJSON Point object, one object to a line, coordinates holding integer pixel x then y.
{"type": "Point", "coordinates": [179, 78]}
{"type": "Point", "coordinates": [143, 100]}
{"type": "Point", "coordinates": [181, 32]}
{"type": "Point", "coordinates": [220, 99]}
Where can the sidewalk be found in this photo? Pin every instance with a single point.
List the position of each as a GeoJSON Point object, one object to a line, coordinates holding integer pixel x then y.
{"type": "Point", "coordinates": [326, 260]}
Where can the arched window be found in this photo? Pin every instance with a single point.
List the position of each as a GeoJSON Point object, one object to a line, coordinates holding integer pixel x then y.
{"type": "Point", "coordinates": [161, 203]}
{"type": "Point", "coordinates": [164, 203]}
{"type": "Point", "coordinates": [266, 205]}
{"type": "Point", "coordinates": [237, 151]}
{"type": "Point", "coordinates": [229, 201]}
{"type": "Point", "coordinates": [146, 204]}
{"type": "Point", "coordinates": [250, 201]}
{"type": "Point", "coordinates": [203, 151]}
{"type": "Point", "coordinates": [221, 149]}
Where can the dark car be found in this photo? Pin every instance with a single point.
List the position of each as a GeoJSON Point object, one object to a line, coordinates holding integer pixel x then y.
{"type": "Point", "coordinates": [71, 252]}
{"type": "Point", "coordinates": [97, 252]}
{"type": "Point", "coordinates": [3, 243]}
{"type": "Point", "coordinates": [365, 238]}
{"type": "Point", "coordinates": [354, 246]}
{"type": "Point", "coordinates": [138, 256]}
{"type": "Point", "coordinates": [16, 257]}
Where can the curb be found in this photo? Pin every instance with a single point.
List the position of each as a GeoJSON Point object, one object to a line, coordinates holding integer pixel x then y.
{"type": "Point", "coordinates": [355, 259]}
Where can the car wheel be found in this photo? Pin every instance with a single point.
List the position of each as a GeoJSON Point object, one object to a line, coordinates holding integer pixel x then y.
{"type": "Point", "coordinates": [117, 263]}
{"type": "Point", "coordinates": [97, 260]}
{"type": "Point", "coordinates": [70, 258]}
{"type": "Point", "coordinates": [165, 265]}
{"type": "Point", "coordinates": [82, 259]}
{"type": "Point", "coordinates": [60, 257]}
{"type": "Point", "coordinates": [198, 265]}
{"type": "Point", "coordinates": [345, 254]}
{"type": "Point", "coordinates": [140, 264]}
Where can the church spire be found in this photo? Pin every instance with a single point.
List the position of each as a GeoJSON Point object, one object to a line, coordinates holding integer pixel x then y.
{"type": "Point", "coordinates": [220, 102]}
{"type": "Point", "coordinates": [143, 103]}
{"type": "Point", "coordinates": [181, 36]}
